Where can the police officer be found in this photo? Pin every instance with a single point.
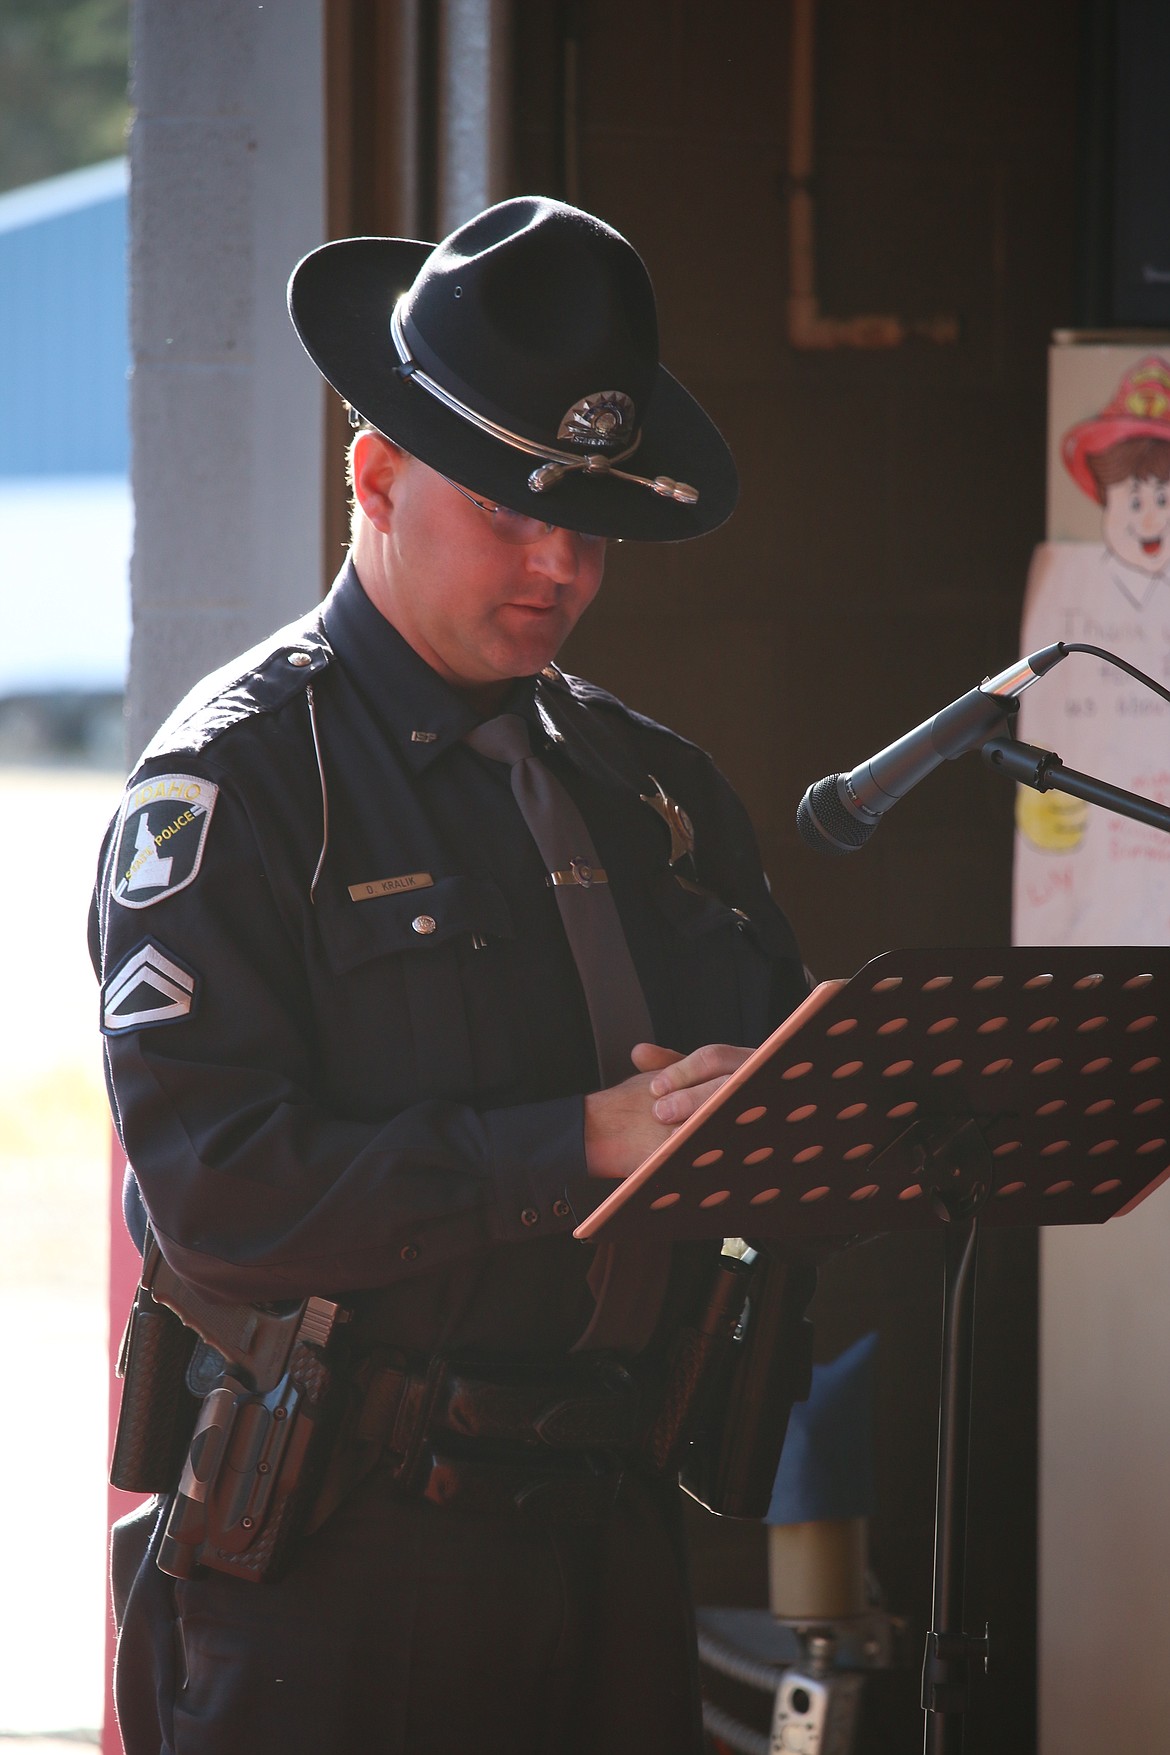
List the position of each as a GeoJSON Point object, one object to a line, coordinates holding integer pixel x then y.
{"type": "Point", "coordinates": [410, 944]}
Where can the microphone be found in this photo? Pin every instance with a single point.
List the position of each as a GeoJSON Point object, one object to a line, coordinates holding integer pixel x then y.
{"type": "Point", "coordinates": [839, 813]}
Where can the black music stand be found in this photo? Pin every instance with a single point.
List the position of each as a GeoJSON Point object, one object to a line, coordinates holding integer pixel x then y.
{"type": "Point", "coordinates": [960, 1087]}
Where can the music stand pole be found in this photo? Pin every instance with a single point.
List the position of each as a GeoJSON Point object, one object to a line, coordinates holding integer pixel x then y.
{"type": "Point", "coordinates": [949, 1651]}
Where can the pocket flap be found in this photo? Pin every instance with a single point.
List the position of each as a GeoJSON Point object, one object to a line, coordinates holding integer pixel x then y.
{"type": "Point", "coordinates": [381, 926]}
{"type": "Point", "coordinates": [694, 911]}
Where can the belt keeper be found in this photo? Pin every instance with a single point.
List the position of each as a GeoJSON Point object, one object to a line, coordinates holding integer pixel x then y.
{"type": "Point", "coordinates": [413, 1419]}
{"type": "Point", "coordinates": [382, 1407]}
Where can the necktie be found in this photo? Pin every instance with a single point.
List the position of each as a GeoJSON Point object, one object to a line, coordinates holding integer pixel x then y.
{"type": "Point", "coordinates": [628, 1283]}
{"type": "Point", "coordinates": [613, 994]}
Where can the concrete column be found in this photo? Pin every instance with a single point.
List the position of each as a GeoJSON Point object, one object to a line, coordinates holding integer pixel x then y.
{"type": "Point", "coordinates": [475, 98]}
{"type": "Point", "coordinates": [227, 155]}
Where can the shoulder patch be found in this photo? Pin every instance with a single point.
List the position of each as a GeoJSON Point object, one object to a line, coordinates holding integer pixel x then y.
{"type": "Point", "coordinates": [159, 841]}
{"type": "Point", "coordinates": [150, 986]}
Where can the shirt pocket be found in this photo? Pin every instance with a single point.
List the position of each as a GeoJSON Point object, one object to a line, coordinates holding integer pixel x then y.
{"type": "Point", "coordinates": [415, 989]}
{"type": "Point", "coordinates": [720, 970]}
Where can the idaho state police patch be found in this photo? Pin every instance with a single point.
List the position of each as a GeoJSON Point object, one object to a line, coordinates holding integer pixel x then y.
{"type": "Point", "coordinates": [160, 838]}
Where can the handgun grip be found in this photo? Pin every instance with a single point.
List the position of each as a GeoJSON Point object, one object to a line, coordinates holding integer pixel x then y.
{"type": "Point", "coordinates": [257, 1341]}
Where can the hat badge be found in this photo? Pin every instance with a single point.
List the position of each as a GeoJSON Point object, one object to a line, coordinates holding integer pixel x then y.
{"type": "Point", "coordinates": [1144, 392]}
{"type": "Point", "coordinates": [599, 422]}
{"type": "Point", "coordinates": [1148, 397]}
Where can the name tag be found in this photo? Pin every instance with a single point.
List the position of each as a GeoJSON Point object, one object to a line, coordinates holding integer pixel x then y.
{"type": "Point", "coordinates": [392, 886]}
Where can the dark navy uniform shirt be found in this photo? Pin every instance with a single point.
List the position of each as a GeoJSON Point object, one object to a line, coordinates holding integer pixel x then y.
{"type": "Point", "coordinates": [346, 1042]}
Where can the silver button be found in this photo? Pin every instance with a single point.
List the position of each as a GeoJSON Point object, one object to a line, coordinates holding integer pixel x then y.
{"type": "Point", "coordinates": [299, 658]}
{"type": "Point", "coordinates": [530, 1216]}
{"type": "Point", "coordinates": [423, 923]}
{"type": "Point", "coordinates": [561, 1209]}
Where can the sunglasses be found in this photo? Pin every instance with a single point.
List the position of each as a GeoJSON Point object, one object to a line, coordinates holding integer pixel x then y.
{"type": "Point", "coordinates": [519, 528]}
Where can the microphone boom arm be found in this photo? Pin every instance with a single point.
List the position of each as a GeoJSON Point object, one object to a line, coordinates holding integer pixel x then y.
{"type": "Point", "coordinates": [1044, 772]}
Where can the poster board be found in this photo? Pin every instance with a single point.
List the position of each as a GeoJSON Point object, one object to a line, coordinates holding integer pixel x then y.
{"type": "Point", "coordinates": [1083, 876]}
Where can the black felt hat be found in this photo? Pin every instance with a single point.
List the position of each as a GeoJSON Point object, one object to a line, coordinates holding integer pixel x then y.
{"type": "Point", "coordinates": [520, 358]}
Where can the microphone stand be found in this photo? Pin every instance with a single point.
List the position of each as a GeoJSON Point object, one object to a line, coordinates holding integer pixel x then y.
{"type": "Point", "coordinates": [1044, 772]}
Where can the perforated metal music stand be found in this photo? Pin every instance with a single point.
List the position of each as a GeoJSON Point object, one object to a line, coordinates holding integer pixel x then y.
{"type": "Point", "coordinates": [962, 1088]}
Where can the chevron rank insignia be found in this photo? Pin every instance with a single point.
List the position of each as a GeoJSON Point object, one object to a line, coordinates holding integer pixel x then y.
{"type": "Point", "coordinates": [160, 839]}
{"type": "Point", "coordinates": [150, 986]}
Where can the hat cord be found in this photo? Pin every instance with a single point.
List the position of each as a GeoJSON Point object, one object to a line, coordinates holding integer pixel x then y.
{"type": "Point", "coordinates": [557, 464]}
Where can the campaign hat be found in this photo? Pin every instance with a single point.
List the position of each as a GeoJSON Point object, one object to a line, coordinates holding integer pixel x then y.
{"type": "Point", "coordinates": [1138, 409]}
{"type": "Point", "coordinates": [519, 357]}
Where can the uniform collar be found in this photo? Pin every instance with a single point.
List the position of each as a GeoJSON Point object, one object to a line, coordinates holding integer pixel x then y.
{"type": "Point", "coordinates": [421, 713]}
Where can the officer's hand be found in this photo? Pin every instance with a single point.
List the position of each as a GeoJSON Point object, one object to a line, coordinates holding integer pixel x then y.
{"type": "Point", "coordinates": [627, 1122]}
{"type": "Point", "coordinates": [683, 1081]}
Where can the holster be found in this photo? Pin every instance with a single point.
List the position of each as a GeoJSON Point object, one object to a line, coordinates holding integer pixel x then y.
{"type": "Point", "coordinates": [730, 1464]}
{"type": "Point", "coordinates": [252, 1473]}
{"type": "Point", "coordinates": [689, 1395]}
{"type": "Point", "coordinates": [230, 1408]}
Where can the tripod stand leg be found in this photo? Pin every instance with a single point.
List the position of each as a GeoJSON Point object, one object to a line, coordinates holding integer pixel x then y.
{"type": "Point", "coordinates": [949, 1651]}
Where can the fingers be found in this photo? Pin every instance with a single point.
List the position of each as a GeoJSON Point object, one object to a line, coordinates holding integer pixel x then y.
{"type": "Point", "coordinates": [648, 1057]}
{"type": "Point", "coordinates": [681, 1105]}
{"type": "Point", "coordinates": [715, 1060]}
{"type": "Point", "coordinates": [626, 1122]}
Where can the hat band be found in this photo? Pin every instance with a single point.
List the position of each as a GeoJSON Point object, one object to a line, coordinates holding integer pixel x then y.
{"type": "Point", "coordinates": [556, 464]}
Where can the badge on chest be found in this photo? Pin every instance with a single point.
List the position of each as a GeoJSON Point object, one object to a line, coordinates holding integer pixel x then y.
{"type": "Point", "coordinates": [682, 830]}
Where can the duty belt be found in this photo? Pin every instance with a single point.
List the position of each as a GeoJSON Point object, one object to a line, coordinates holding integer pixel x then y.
{"type": "Point", "coordinates": [547, 1443]}
{"type": "Point", "coordinates": [553, 1439]}
{"type": "Point", "coordinates": [528, 1409]}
